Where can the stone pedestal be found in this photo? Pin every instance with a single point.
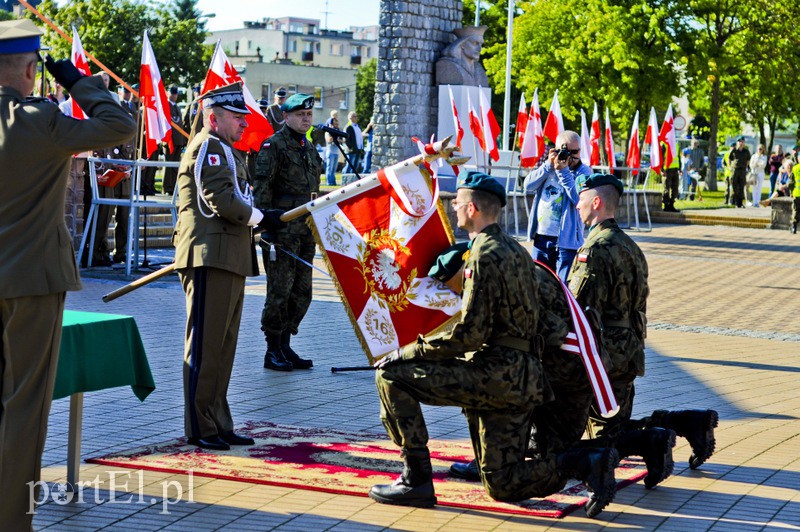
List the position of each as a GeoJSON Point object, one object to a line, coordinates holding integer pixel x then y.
{"type": "Point", "coordinates": [781, 213]}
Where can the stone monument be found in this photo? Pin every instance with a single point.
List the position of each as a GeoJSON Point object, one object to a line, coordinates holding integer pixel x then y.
{"type": "Point", "coordinates": [460, 63]}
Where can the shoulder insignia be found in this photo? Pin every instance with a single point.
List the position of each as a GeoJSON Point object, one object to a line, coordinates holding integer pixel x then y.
{"type": "Point", "coordinates": [582, 257]}
{"type": "Point", "coordinates": [214, 159]}
{"type": "Point", "coordinates": [468, 273]}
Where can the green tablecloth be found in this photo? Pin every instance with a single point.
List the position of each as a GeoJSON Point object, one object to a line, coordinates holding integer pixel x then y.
{"type": "Point", "coordinates": [100, 351]}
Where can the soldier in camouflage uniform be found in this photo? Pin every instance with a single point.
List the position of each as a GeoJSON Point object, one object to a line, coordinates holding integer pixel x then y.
{"type": "Point", "coordinates": [488, 366]}
{"type": "Point", "coordinates": [288, 170]}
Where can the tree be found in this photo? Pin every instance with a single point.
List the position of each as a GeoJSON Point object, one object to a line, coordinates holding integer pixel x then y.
{"type": "Point", "coordinates": [365, 89]}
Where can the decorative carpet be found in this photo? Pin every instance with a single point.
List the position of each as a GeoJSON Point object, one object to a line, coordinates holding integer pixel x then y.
{"type": "Point", "coordinates": [342, 462]}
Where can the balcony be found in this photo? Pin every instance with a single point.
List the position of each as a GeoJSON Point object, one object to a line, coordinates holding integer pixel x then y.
{"type": "Point", "coordinates": [355, 59]}
{"type": "Point", "coordinates": [308, 56]}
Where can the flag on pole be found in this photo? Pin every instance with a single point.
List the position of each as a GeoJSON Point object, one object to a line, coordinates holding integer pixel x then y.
{"type": "Point", "coordinates": [379, 241]}
{"type": "Point", "coordinates": [80, 62]}
{"type": "Point", "coordinates": [522, 120]}
{"type": "Point", "coordinates": [554, 123]}
{"type": "Point", "coordinates": [456, 121]}
{"type": "Point", "coordinates": [667, 136]}
{"type": "Point", "coordinates": [221, 73]}
{"type": "Point", "coordinates": [610, 145]}
{"type": "Point", "coordinates": [594, 138]}
{"type": "Point", "coordinates": [154, 100]}
{"type": "Point", "coordinates": [634, 152]}
{"type": "Point", "coordinates": [651, 139]}
{"type": "Point", "coordinates": [490, 128]}
{"type": "Point", "coordinates": [532, 149]}
{"type": "Point", "coordinates": [475, 125]}
{"type": "Point", "coordinates": [586, 154]}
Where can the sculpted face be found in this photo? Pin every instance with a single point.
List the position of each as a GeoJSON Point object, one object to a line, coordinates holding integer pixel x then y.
{"type": "Point", "coordinates": [472, 47]}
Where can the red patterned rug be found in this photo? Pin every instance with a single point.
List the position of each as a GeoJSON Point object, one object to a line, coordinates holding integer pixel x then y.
{"type": "Point", "coordinates": [337, 461]}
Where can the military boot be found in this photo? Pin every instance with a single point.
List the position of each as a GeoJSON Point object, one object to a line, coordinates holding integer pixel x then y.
{"type": "Point", "coordinates": [414, 487]}
{"type": "Point", "coordinates": [291, 356]}
{"type": "Point", "coordinates": [466, 471]}
{"type": "Point", "coordinates": [697, 426]}
{"type": "Point", "coordinates": [794, 228]}
{"type": "Point", "coordinates": [655, 446]}
{"type": "Point", "coordinates": [274, 358]}
{"type": "Point", "coordinates": [595, 467]}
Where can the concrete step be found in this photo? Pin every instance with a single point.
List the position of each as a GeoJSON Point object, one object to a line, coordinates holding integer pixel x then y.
{"type": "Point", "coordinates": [752, 222]}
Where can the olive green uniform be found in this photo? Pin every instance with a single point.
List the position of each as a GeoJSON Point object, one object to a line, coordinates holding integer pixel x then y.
{"type": "Point", "coordinates": [482, 367]}
{"type": "Point", "coordinates": [287, 175]}
{"type": "Point", "coordinates": [37, 267]}
{"type": "Point", "coordinates": [609, 275]}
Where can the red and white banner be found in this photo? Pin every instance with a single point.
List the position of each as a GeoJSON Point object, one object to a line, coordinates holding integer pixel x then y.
{"type": "Point", "coordinates": [532, 149]}
{"type": "Point", "coordinates": [221, 73]}
{"type": "Point", "coordinates": [586, 147]}
{"type": "Point", "coordinates": [522, 120]}
{"type": "Point", "coordinates": [651, 140]}
{"type": "Point", "coordinates": [610, 145]}
{"type": "Point", "coordinates": [490, 128]}
{"type": "Point", "coordinates": [634, 152]}
{"type": "Point", "coordinates": [555, 123]}
{"type": "Point", "coordinates": [379, 245]}
{"type": "Point", "coordinates": [475, 125]}
{"type": "Point", "coordinates": [456, 121]}
{"type": "Point", "coordinates": [80, 62]}
{"type": "Point", "coordinates": [594, 138]}
{"type": "Point", "coordinates": [667, 136]}
{"type": "Point", "coordinates": [154, 100]}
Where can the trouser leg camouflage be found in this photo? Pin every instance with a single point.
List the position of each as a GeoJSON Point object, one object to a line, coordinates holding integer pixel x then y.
{"type": "Point", "coordinates": [560, 424]}
{"type": "Point", "coordinates": [497, 393]}
{"type": "Point", "coordinates": [288, 285]}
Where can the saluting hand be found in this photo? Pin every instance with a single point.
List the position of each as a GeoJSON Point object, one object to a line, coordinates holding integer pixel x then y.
{"type": "Point", "coordinates": [64, 71]}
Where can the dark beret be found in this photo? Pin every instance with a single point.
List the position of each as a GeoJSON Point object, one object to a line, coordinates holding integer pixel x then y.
{"type": "Point", "coordinates": [740, 139]}
{"type": "Point", "coordinates": [173, 90]}
{"type": "Point", "coordinates": [598, 180]}
{"type": "Point", "coordinates": [448, 262]}
{"type": "Point", "coordinates": [297, 101]}
{"type": "Point", "coordinates": [480, 181]}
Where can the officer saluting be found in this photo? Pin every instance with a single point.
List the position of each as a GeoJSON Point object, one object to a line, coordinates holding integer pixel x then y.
{"type": "Point", "coordinates": [37, 261]}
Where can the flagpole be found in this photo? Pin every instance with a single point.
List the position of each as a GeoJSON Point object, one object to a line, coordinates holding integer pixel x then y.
{"type": "Point", "coordinates": [507, 97]}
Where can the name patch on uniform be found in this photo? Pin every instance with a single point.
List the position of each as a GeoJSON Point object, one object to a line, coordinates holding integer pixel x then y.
{"type": "Point", "coordinates": [582, 257]}
{"type": "Point", "coordinates": [468, 273]}
{"type": "Point", "coordinates": [214, 159]}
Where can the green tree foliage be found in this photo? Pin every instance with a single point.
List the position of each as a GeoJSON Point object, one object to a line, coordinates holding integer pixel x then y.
{"type": "Point", "coordinates": [365, 90]}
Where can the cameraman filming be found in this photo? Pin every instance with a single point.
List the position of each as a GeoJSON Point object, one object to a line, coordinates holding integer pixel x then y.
{"type": "Point", "coordinates": [554, 224]}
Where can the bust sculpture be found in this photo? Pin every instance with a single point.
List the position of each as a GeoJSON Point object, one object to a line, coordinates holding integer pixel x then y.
{"type": "Point", "coordinates": [460, 62]}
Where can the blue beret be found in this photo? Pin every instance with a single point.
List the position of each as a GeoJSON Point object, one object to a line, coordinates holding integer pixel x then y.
{"type": "Point", "coordinates": [448, 262]}
{"type": "Point", "coordinates": [297, 101]}
{"type": "Point", "coordinates": [480, 181]}
{"type": "Point", "coordinates": [598, 180]}
{"type": "Point", "coordinates": [19, 36]}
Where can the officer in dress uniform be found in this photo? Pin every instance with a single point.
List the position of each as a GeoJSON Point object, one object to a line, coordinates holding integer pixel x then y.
{"type": "Point", "coordinates": [214, 253]}
{"type": "Point", "coordinates": [487, 365]}
{"type": "Point", "coordinates": [37, 260]}
{"type": "Point", "coordinates": [288, 170]}
{"type": "Point", "coordinates": [274, 112]}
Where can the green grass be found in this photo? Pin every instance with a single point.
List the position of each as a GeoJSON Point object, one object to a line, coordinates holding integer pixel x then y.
{"type": "Point", "coordinates": [710, 200]}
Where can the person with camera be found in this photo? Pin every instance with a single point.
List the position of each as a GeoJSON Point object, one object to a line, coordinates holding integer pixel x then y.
{"type": "Point", "coordinates": [553, 223]}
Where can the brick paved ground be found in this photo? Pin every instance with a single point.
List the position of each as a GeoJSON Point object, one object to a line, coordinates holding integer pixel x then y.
{"type": "Point", "coordinates": [724, 334]}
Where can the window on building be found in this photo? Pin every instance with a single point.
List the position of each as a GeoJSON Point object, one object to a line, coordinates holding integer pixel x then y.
{"type": "Point", "coordinates": [308, 47]}
{"type": "Point", "coordinates": [337, 49]}
{"type": "Point", "coordinates": [369, 52]}
{"type": "Point", "coordinates": [292, 89]}
{"type": "Point", "coordinates": [370, 36]}
{"type": "Point", "coordinates": [266, 91]}
{"type": "Point", "coordinates": [318, 97]}
{"type": "Point", "coordinates": [355, 51]}
{"type": "Point", "coordinates": [317, 48]}
{"type": "Point", "coordinates": [345, 104]}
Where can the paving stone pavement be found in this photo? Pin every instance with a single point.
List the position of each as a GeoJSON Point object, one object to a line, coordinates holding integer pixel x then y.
{"type": "Point", "coordinates": [723, 334]}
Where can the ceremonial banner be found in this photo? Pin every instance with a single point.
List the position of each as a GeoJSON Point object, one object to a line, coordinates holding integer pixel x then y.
{"type": "Point", "coordinates": [555, 122]}
{"type": "Point", "coordinates": [594, 138]}
{"type": "Point", "coordinates": [667, 136]}
{"type": "Point", "coordinates": [634, 153]}
{"type": "Point", "coordinates": [379, 245]}
{"type": "Point", "coordinates": [586, 147]}
{"type": "Point", "coordinates": [80, 62]}
{"type": "Point", "coordinates": [522, 120]}
{"type": "Point", "coordinates": [610, 145]}
{"type": "Point", "coordinates": [154, 101]}
{"type": "Point", "coordinates": [491, 129]}
{"type": "Point", "coordinates": [651, 140]}
{"type": "Point", "coordinates": [532, 146]}
{"type": "Point", "coordinates": [456, 121]}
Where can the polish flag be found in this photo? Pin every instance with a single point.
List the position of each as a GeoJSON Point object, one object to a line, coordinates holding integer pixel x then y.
{"type": "Point", "coordinates": [554, 123]}
{"type": "Point", "coordinates": [80, 62]}
{"type": "Point", "coordinates": [634, 152]}
{"type": "Point", "coordinates": [221, 73]}
{"type": "Point", "coordinates": [154, 100]}
{"type": "Point", "coordinates": [651, 138]}
{"type": "Point", "coordinates": [475, 125]}
{"type": "Point", "coordinates": [532, 148]}
{"type": "Point", "coordinates": [586, 155]}
{"type": "Point", "coordinates": [522, 120]}
{"type": "Point", "coordinates": [490, 128]}
{"type": "Point", "coordinates": [610, 145]}
{"type": "Point", "coordinates": [594, 139]}
{"type": "Point", "coordinates": [456, 121]}
{"type": "Point", "coordinates": [667, 136]}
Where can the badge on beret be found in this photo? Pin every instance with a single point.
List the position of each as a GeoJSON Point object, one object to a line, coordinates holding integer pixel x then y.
{"type": "Point", "coordinates": [213, 159]}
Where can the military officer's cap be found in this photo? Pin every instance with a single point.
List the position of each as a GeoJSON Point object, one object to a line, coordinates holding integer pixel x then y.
{"type": "Point", "coordinates": [280, 92]}
{"type": "Point", "coordinates": [19, 36]}
{"type": "Point", "coordinates": [297, 102]}
{"type": "Point", "coordinates": [263, 103]}
{"type": "Point", "coordinates": [480, 181]}
{"type": "Point", "coordinates": [448, 262]}
{"type": "Point", "coordinates": [598, 180]}
{"type": "Point", "coordinates": [229, 97]}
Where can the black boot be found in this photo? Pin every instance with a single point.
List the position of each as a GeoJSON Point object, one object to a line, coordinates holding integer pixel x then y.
{"type": "Point", "coordinates": [291, 356]}
{"type": "Point", "coordinates": [794, 228]}
{"type": "Point", "coordinates": [697, 426]}
{"type": "Point", "coordinates": [414, 487]}
{"type": "Point", "coordinates": [655, 446]}
{"type": "Point", "coordinates": [595, 467]}
{"type": "Point", "coordinates": [274, 358]}
{"type": "Point", "coordinates": [466, 471]}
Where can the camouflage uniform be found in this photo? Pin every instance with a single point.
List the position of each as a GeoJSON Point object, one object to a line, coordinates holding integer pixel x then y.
{"type": "Point", "coordinates": [474, 366]}
{"type": "Point", "coordinates": [610, 277]}
{"type": "Point", "coordinates": [287, 174]}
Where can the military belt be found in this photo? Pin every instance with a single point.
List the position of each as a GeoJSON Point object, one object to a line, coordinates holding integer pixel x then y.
{"type": "Point", "coordinates": [512, 342]}
{"type": "Point", "coordinates": [622, 324]}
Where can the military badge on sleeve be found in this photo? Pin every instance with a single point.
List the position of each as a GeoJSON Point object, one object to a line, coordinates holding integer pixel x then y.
{"type": "Point", "coordinates": [582, 257]}
{"type": "Point", "coordinates": [213, 159]}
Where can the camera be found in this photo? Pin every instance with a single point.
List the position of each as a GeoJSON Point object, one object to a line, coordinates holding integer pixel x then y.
{"type": "Point", "coordinates": [563, 153]}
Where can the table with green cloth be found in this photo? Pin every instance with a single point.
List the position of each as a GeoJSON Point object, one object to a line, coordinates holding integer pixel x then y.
{"type": "Point", "coordinates": [98, 351]}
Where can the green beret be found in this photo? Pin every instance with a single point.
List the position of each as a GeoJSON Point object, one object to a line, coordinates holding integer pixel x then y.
{"type": "Point", "coordinates": [296, 102]}
{"type": "Point", "coordinates": [480, 181]}
{"type": "Point", "coordinates": [448, 262]}
{"type": "Point", "coordinates": [598, 180]}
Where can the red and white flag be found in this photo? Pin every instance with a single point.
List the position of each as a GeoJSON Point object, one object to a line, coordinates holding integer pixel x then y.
{"type": "Point", "coordinates": [456, 121]}
{"type": "Point", "coordinates": [586, 154]}
{"type": "Point", "coordinates": [157, 127]}
{"type": "Point", "coordinates": [80, 62]}
{"type": "Point", "coordinates": [490, 128]}
{"type": "Point", "coordinates": [378, 243]}
{"type": "Point", "coordinates": [594, 139]}
{"type": "Point", "coordinates": [651, 139]}
{"type": "Point", "coordinates": [554, 123]}
{"type": "Point", "coordinates": [667, 136]}
{"type": "Point", "coordinates": [634, 152]}
{"type": "Point", "coordinates": [610, 145]}
{"type": "Point", "coordinates": [221, 73]}
{"type": "Point", "coordinates": [522, 120]}
{"type": "Point", "coordinates": [475, 125]}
